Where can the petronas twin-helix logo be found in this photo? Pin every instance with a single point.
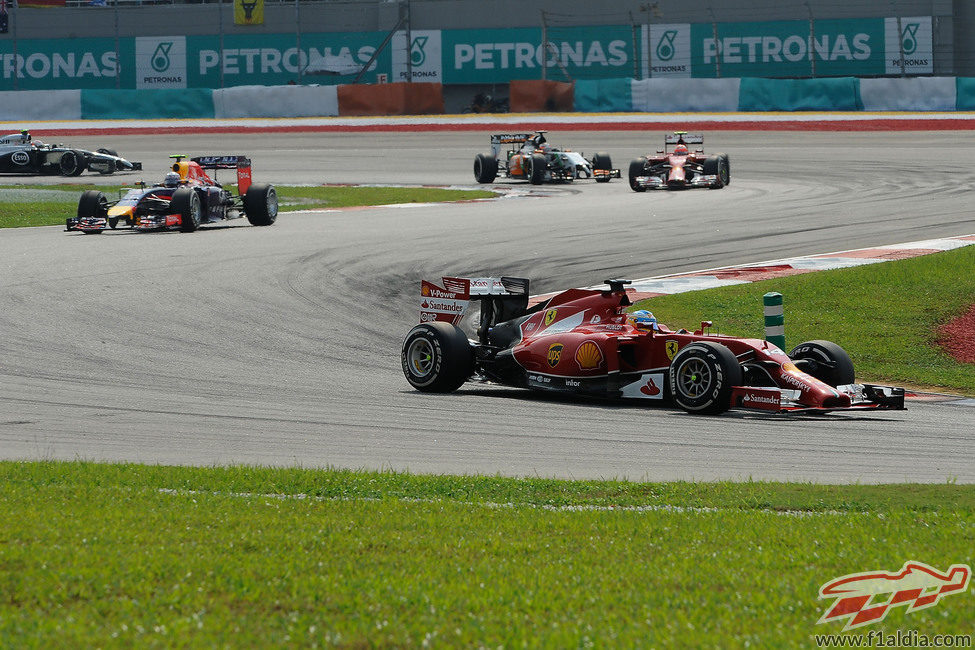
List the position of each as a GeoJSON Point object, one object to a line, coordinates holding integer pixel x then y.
{"type": "Point", "coordinates": [160, 58]}
{"type": "Point", "coordinates": [909, 38]}
{"type": "Point", "coordinates": [665, 46]}
{"type": "Point", "coordinates": [417, 55]}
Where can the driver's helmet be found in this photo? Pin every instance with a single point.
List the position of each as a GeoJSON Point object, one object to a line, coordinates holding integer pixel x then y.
{"type": "Point", "coordinates": [171, 180]}
{"type": "Point", "coordinates": [643, 319]}
{"type": "Point", "coordinates": [680, 150]}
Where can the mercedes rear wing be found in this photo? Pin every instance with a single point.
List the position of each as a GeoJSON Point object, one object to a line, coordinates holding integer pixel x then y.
{"type": "Point", "coordinates": [501, 299]}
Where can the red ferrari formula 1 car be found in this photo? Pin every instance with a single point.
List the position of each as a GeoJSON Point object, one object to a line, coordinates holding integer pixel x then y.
{"type": "Point", "coordinates": [186, 198]}
{"type": "Point", "coordinates": [682, 168]}
{"type": "Point", "coordinates": [531, 158]}
{"type": "Point", "coordinates": [583, 341]}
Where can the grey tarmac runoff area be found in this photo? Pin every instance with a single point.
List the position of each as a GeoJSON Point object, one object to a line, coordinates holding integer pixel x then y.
{"type": "Point", "coordinates": [280, 345]}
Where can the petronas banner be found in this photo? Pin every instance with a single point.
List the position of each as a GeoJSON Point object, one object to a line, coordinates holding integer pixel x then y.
{"type": "Point", "coordinates": [249, 12]}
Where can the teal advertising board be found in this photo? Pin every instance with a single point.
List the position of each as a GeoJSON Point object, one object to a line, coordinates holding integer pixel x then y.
{"type": "Point", "coordinates": [499, 55]}
{"type": "Point", "coordinates": [792, 48]}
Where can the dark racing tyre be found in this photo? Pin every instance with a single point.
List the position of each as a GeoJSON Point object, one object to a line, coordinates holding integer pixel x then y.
{"type": "Point", "coordinates": [602, 161]}
{"type": "Point", "coordinates": [637, 169]}
{"type": "Point", "coordinates": [261, 204]}
{"type": "Point", "coordinates": [724, 169]}
{"type": "Point", "coordinates": [72, 163]}
{"type": "Point", "coordinates": [186, 203]}
{"type": "Point", "coordinates": [113, 222]}
{"type": "Point", "coordinates": [702, 376]}
{"type": "Point", "coordinates": [535, 168]}
{"type": "Point", "coordinates": [485, 168]}
{"type": "Point", "coordinates": [437, 357]}
{"type": "Point", "coordinates": [824, 360]}
{"type": "Point", "coordinates": [93, 204]}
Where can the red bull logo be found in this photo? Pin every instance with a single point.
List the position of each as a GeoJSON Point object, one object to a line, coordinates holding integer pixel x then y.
{"type": "Point", "coordinates": [916, 586]}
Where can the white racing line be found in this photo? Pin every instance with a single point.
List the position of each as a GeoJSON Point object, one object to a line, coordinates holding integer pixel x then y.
{"type": "Point", "coordinates": [529, 506]}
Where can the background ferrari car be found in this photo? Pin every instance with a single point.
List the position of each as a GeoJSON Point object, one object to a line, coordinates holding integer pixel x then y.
{"type": "Point", "coordinates": [20, 154]}
{"type": "Point", "coordinates": [531, 158]}
{"type": "Point", "coordinates": [582, 341]}
{"type": "Point", "coordinates": [188, 198]}
{"type": "Point", "coordinates": [681, 168]}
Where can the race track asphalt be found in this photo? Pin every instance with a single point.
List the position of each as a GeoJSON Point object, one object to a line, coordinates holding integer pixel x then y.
{"type": "Point", "coordinates": [280, 345]}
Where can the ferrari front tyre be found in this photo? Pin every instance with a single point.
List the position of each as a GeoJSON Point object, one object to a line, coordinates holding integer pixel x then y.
{"type": "Point", "coordinates": [437, 357]}
{"type": "Point", "coordinates": [824, 360]}
{"type": "Point", "coordinates": [637, 168]}
{"type": "Point", "coordinates": [186, 203]}
{"type": "Point", "coordinates": [93, 204]}
{"type": "Point", "coordinates": [702, 376]}
{"type": "Point", "coordinates": [536, 166]}
{"type": "Point", "coordinates": [485, 168]}
{"type": "Point", "coordinates": [71, 163]}
{"type": "Point", "coordinates": [602, 161]}
{"type": "Point", "coordinates": [261, 204]}
{"type": "Point", "coordinates": [724, 169]}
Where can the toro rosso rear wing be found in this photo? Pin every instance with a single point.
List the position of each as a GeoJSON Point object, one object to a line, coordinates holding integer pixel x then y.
{"type": "Point", "coordinates": [501, 299]}
{"type": "Point", "coordinates": [241, 163]}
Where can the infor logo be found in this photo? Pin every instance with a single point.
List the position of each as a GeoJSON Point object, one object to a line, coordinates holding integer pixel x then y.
{"type": "Point", "coordinates": [160, 58]}
{"type": "Point", "coordinates": [665, 46]}
{"type": "Point", "coordinates": [909, 38]}
{"type": "Point", "coordinates": [417, 55]}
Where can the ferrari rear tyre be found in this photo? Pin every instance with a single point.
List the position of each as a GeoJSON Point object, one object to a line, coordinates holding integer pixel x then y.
{"type": "Point", "coordinates": [824, 360]}
{"type": "Point", "coordinates": [702, 376]}
{"type": "Point", "coordinates": [186, 203]}
{"type": "Point", "coordinates": [485, 168]}
{"type": "Point", "coordinates": [261, 204]}
{"type": "Point", "coordinates": [93, 204]}
{"type": "Point", "coordinates": [716, 166]}
{"type": "Point", "coordinates": [71, 163]}
{"type": "Point", "coordinates": [437, 357]}
{"type": "Point", "coordinates": [535, 170]}
{"type": "Point", "coordinates": [637, 168]}
{"type": "Point", "coordinates": [602, 161]}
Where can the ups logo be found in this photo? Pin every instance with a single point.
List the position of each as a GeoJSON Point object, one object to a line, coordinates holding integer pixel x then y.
{"type": "Point", "coordinates": [554, 354]}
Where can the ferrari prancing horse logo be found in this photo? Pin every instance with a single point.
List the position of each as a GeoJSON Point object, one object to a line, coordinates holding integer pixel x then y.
{"type": "Point", "coordinates": [550, 316]}
{"type": "Point", "coordinates": [671, 348]}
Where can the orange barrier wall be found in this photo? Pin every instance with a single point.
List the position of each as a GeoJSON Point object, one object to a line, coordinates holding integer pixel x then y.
{"type": "Point", "coordinates": [541, 96]}
{"type": "Point", "coordinates": [399, 98]}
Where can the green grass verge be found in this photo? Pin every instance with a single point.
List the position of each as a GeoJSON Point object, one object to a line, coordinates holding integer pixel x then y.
{"type": "Point", "coordinates": [145, 556]}
{"type": "Point", "coordinates": [886, 316]}
{"type": "Point", "coordinates": [17, 213]}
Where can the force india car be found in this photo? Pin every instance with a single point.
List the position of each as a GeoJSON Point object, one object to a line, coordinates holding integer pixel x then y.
{"type": "Point", "coordinates": [580, 341]}
{"type": "Point", "coordinates": [532, 159]}
{"type": "Point", "coordinates": [193, 199]}
{"type": "Point", "coordinates": [20, 154]}
{"type": "Point", "coordinates": [682, 168]}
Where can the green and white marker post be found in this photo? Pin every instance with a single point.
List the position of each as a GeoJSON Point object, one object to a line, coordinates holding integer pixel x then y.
{"type": "Point", "coordinates": [774, 319]}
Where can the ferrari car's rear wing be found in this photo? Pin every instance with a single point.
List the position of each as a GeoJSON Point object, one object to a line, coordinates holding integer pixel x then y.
{"type": "Point", "coordinates": [680, 136]}
{"type": "Point", "coordinates": [501, 299]}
